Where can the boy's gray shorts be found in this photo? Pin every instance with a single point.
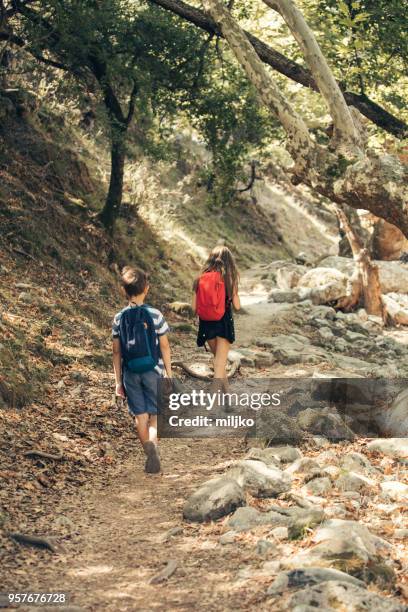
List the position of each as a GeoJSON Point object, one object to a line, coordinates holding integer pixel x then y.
{"type": "Point", "coordinates": [141, 391]}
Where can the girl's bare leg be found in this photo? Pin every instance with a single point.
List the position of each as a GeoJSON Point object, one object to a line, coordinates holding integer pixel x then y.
{"type": "Point", "coordinates": [220, 359]}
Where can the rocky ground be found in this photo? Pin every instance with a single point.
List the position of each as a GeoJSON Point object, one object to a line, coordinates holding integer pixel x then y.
{"type": "Point", "coordinates": [229, 524]}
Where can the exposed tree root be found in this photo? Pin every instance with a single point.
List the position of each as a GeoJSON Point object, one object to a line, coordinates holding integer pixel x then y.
{"type": "Point", "coordinates": [35, 452]}
{"type": "Point", "coordinates": [180, 364]}
{"type": "Point", "coordinates": [30, 540]}
{"type": "Point", "coordinates": [165, 573]}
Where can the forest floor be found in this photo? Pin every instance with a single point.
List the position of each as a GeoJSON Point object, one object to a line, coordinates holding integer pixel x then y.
{"type": "Point", "coordinates": [115, 528]}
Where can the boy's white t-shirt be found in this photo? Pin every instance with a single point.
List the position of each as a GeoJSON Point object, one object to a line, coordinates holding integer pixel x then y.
{"type": "Point", "coordinates": [160, 325]}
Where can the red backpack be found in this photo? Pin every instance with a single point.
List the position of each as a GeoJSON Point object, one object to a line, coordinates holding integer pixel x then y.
{"type": "Point", "coordinates": [211, 296]}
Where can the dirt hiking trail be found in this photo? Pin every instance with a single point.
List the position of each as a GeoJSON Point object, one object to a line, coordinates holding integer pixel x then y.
{"type": "Point", "coordinates": [122, 527]}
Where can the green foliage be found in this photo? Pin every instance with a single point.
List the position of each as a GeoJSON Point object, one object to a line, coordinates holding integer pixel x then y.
{"type": "Point", "coordinates": [227, 113]}
{"type": "Point", "coordinates": [366, 43]}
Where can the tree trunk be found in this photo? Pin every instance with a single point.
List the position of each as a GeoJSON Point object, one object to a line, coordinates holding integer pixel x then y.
{"type": "Point", "coordinates": [365, 283]}
{"type": "Point", "coordinates": [289, 68]}
{"type": "Point", "coordinates": [113, 201]}
{"type": "Point", "coordinates": [343, 171]}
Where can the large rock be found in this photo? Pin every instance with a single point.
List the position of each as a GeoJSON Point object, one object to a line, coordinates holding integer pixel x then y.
{"type": "Point", "coordinates": [305, 465]}
{"type": "Point", "coordinates": [266, 455]}
{"type": "Point", "coordinates": [393, 274]}
{"type": "Point", "coordinates": [317, 486]}
{"type": "Point", "coordinates": [333, 595]}
{"type": "Point", "coordinates": [292, 349]}
{"type": "Point", "coordinates": [326, 422]}
{"type": "Point", "coordinates": [326, 284]}
{"type": "Point", "coordinates": [281, 296]}
{"type": "Point", "coordinates": [393, 419]}
{"type": "Point", "coordinates": [247, 518]}
{"type": "Point", "coordinates": [285, 454]}
{"type": "Point", "coordinates": [301, 520]}
{"type": "Point", "coordinates": [393, 447]}
{"type": "Point", "coordinates": [356, 462]}
{"type": "Point", "coordinates": [302, 577]}
{"type": "Point", "coordinates": [259, 479]}
{"type": "Point", "coordinates": [277, 427]}
{"type": "Point", "coordinates": [274, 455]}
{"type": "Point", "coordinates": [214, 499]}
{"type": "Point", "coordinates": [397, 307]}
{"type": "Point", "coordinates": [288, 276]}
{"type": "Point", "coordinates": [351, 481]}
{"type": "Point", "coordinates": [349, 547]}
{"type": "Point", "coordinates": [395, 490]}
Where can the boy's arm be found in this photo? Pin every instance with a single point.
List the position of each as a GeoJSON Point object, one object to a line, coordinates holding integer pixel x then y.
{"type": "Point", "coordinates": [166, 353]}
{"type": "Point", "coordinates": [194, 302]}
{"type": "Point", "coordinates": [117, 367]}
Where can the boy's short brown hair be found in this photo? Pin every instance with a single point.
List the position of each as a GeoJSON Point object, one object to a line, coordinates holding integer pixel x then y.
{"type": "Point", "coordinates": [134, 280]}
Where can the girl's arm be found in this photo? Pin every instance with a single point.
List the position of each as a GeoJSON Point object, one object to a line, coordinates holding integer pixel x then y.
{"type": "Point", "coordinates": [194, 302]}
{"type": "Point", "coordinates": [236, 302]}
{"type": "Point", "coordinates": [166, 354]}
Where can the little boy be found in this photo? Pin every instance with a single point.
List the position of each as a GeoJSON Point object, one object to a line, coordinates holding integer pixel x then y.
{"type": "Point", "coordinates": [141, 388]}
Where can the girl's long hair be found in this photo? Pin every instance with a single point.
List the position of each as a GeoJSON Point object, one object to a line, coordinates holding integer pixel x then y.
{"type": "Point", "coordinates": [221, 260]}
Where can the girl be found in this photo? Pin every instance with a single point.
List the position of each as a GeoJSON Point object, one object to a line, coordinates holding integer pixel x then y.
{"type": "Point", "coordinates": [220, 334]}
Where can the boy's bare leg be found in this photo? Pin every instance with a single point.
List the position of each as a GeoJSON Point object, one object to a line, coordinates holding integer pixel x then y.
{"type": "Point", "coordinates": [142, 427]}
{"type": "Point", "coordinates": [153, 429]}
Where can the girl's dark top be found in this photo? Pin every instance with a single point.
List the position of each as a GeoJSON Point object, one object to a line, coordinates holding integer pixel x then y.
{"type": "Point", "coordinates": [224, 328]}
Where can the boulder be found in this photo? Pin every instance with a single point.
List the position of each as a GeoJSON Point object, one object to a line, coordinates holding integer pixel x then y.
{"type": "Point", "coordinates": [292, 349]}
{"type": "Point", "coordinates": [286, 454]}
{"type": "Point", "coordinates": [397, 307]}
{"type": "Point", "coordinates": [317, 486]}
{"type": "Point", "coordinates": [288, 276]}
{"type": "Point", "coordinates": [349, 547]}
{"type": "Point", "coordinates": [326, 284]}
{"type": "Point", "coordinates": [280, 296]}
{"type": "Point", "coordinates": [274, 455]}
{"type": "Point", "coordinates": [214, 499]}
{"type": "Point", "coordinates": [277, 427]}
{"type": "Point", "coordinates": [356, 462]}
{"type": "Point", "coordinates": [326, 422]}
{"type": "Point", "coordinates": [351, 481]}
{"type": "Point", "coordinates": [303, 519]}
{"type": "Point", "coordinates": [393, 447]}
{"type": "Point", "coordinates": [393, 274]}
{"type": "Point", "coordinates": [259, 479]}
{"type": "Point", "coordinates": [393, 419]}
{"type": "Point", "coordinates": [305, 465]}
{"type": "Point", "coordinates": [247, 518]}
{"type": "Point", "coordinates": [301, 577]}
{"type": "Point", "coordinates": [395, 490]}
{"type": "Point", "coordinates": [334, 595]}
{"type": "Point", "coordinates": [266, 455]}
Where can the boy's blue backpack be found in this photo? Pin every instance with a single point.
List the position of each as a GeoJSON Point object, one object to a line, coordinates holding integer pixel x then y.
{"type": "Point", "coordinates": [138, 340]}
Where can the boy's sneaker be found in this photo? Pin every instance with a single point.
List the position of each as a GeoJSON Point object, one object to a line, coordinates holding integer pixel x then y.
{"type": "Point", "coordinates": [152, 465]}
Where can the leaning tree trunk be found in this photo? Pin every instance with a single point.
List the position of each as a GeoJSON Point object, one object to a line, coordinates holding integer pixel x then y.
{"type": "Point", "coordinates": [113, 200]}
{"type": "Point", "coordinates": [365, 285]}
{"type": "Point", "coordinates": [345, 171]}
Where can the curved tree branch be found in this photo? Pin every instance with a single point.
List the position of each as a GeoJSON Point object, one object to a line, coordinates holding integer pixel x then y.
{"type": "Point", "coordinates": [299, 143]}
{"type": "Point", "coordinates": [289, 68]}
{"type": "Point", "coordinates": [345, 129]}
